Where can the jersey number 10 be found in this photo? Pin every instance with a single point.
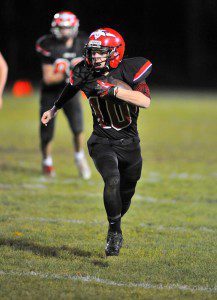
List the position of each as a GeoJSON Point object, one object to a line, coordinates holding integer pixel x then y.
{"type": "Point", "coordinates": [110, 114]}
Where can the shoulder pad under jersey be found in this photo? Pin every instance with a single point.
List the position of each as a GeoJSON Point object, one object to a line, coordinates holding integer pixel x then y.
{"type": "Point", "coordinates": [136, 69]}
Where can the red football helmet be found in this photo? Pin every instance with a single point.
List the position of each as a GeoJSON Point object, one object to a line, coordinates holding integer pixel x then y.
{"type": "Point", "coordinates": [105, 40]}
{"type": "Point", "coordinates": [65, 25]}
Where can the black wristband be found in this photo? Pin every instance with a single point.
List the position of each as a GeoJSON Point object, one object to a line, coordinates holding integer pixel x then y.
{"type": "Point", "coordinates": [113, 91]}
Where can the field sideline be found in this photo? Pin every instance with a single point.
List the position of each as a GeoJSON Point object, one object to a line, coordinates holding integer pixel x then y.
{"type": "Point", "coordinates": [52, 232]}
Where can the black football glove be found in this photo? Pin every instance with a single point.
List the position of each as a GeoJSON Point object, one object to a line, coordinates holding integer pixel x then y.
{"type": "Point", "coordinates": [106, 88]}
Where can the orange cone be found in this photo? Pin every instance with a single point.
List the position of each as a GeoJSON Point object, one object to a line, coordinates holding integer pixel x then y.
{"type": "Point", "coordinates": [22, 88]}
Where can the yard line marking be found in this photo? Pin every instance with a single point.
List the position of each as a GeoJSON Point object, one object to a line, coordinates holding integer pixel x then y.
{"type": "Point", "coordinates": [56, 180]}
{"type": "Point", "coordinates": [33, 186]}
{"type": "Point", "coordinates": [177, 228]}
{"type": "Point", "coordinates": [159, 227]}
{"type": "Point", "coordinates": [186, 176]}
{"type": "Point", "coordinates": [57, 220]}
{"type": "Point", "coordinates": [6, 186]}
{"type": "Point", "coordinates": [149, 199]}
{"type": "Point", "coordinates": [144, 285]}
{"type": "Point", "coordinates": [52, 220]}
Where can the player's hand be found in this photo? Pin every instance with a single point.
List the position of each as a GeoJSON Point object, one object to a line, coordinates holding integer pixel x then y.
{"type": "Point", "coordinates": [105, 88]}
{"type": "Point", "coordinates": [48, 115]}
{"type": "Point", "coordinates": [62, 65]}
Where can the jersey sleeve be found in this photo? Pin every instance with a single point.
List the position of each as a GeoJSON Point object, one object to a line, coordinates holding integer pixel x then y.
{"type": "Point", "coordinates": [136, 70]}
{"type": "Point", "coordinates": [43, 49]}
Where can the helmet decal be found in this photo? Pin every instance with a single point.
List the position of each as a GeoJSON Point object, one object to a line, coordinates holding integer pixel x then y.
{"type": "Point", "coordinates": [100, 33]}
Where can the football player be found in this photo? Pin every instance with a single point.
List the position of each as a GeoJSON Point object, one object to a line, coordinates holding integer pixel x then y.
{"type": "Point", "coordinates": [59, 51]}
{"type": "Point", "coordinates": [114, 144]}
{"type": "Point", "coordinates": [3, 76]}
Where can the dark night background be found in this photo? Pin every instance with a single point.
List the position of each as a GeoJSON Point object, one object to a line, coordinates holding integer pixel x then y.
{"type": "Point", "coordinates": [179, 37]}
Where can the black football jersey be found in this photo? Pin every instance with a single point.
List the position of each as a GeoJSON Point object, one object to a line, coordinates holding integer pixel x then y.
{"type": "Point", "coordinates": [112, 118]}
{"type": "Point", "coordinates": [50, 49]}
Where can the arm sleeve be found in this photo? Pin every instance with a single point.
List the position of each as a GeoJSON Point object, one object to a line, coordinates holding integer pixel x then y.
{"type": "Point", "coordinates": [67, 93]}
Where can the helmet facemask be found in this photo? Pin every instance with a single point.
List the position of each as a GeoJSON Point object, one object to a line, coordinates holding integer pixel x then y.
{"type": "Point", "coordinates": [93, 58]}
{"type": "Point", "coordinates": [70, 32]}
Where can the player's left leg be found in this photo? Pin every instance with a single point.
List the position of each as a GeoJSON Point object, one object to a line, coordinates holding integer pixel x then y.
{"type": "Point", "coordinates": [127, 190]}
{"type": "Point", "coordinates": [108, 168]}
{"type": "Point", "coordinates": [74, 114]}
{"type": "Point", "coordinates": [106, 162]}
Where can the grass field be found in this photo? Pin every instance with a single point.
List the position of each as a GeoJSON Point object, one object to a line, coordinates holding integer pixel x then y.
{"type": "Point", "coordinates": [52, 232]}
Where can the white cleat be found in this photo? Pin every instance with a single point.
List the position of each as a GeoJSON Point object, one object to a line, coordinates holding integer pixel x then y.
{"type": "Point", "coordinates": [83, 168]}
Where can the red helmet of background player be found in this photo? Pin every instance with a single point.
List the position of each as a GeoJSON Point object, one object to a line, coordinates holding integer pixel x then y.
{"type": "Point", "coordinates": [65, 21]}
{"type": "Point", "coordinates": [106, 40]}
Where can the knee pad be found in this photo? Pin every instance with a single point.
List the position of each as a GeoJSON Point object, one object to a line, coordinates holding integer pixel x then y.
{"type": "Point", "coordinates": [113, 181]}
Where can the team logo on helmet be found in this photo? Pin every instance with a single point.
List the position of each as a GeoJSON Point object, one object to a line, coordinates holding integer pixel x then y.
{"type": "Point", "coordinates": [100, 33]}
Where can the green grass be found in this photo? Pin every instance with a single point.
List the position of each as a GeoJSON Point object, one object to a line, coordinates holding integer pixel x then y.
{"type": "Point", "coordinates": [52, 232]}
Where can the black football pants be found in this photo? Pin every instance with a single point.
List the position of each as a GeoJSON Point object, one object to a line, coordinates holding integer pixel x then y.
{"type": "Point", "coordinates": [120, 166]}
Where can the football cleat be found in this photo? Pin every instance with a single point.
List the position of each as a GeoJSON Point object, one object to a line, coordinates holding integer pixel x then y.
{"type": "Point", "coordinates": [114, 243]}
{"type": "Point", "coordinates": [48, 171]}
{"type": "Point", "coordinates": [83, 168]}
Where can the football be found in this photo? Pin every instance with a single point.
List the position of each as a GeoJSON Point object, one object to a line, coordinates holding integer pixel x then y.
{"type": "Point", "coordinates": [121, 84]}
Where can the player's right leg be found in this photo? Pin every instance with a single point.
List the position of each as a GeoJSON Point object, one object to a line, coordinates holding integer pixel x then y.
{"type": "Point", "coordinates": [46, 136]}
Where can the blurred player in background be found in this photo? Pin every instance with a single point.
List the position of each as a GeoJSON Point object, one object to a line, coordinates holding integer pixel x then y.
{"type": "Point", "coordinates": [114, 144]}
{"type": "Point", "coordinates": [3, 77]}
{"type": "Point", "coordinates": [59, 52]}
